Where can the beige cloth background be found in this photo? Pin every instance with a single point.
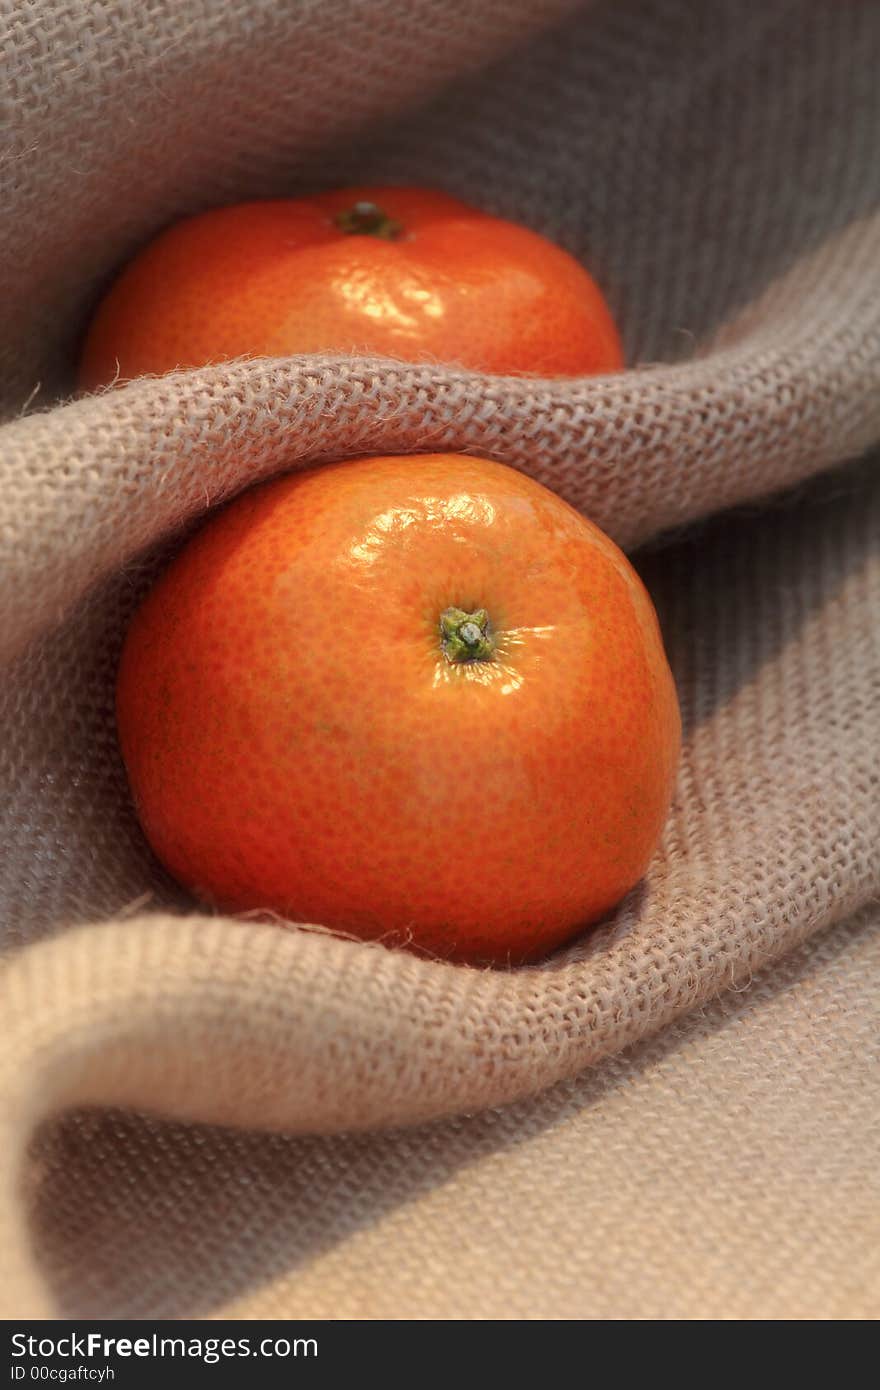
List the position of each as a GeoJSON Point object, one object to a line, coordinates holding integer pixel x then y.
{"type": "Point", "coordinates": [718, 169]}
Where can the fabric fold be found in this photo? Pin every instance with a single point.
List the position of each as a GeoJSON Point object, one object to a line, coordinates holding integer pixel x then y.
{"type": "Point", "coordinates": [719, 176]}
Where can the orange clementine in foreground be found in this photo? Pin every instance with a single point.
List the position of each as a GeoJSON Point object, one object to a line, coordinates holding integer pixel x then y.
{"type": "Point", "coordinates": [417, 698]}
{"type": "Point", "coordinates": [398, 272]}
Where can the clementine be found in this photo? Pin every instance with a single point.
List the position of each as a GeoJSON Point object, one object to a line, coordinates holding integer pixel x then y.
{"type": "Point", "coordinates": [420, 698]}
{"type": "Point", "coordinates": [399, 272]}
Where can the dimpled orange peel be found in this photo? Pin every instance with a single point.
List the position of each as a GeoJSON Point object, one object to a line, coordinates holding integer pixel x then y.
{"type": "Point", "coordinates": [398, 272]}
{"type": "Point", "coordinates": [412, 698]}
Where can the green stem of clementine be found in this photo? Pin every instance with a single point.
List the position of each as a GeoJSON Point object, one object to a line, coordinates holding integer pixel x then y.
{"type": "Point", "coordinates": [466, 636]}
{"type": "Point", "coordinates": [366, 219]}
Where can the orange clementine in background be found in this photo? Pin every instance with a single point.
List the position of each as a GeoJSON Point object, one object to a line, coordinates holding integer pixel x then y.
{"type": "Point", "coordinates": [417, 698]}
{"type": "Point", "coordinates": [399, 272]}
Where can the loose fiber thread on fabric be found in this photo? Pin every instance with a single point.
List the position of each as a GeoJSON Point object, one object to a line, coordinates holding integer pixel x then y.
{"type": "Point", "coordinates": [721, 176]}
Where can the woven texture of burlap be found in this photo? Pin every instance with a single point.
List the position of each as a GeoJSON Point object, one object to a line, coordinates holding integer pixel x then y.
{"type": "Point", "coordinates": [726, 1168]}
{"type": "Point", "coordinates": [717, 167]}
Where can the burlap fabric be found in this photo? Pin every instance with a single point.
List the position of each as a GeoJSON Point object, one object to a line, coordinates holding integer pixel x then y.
{"type": "Point", "coordinates": [717, 165]}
